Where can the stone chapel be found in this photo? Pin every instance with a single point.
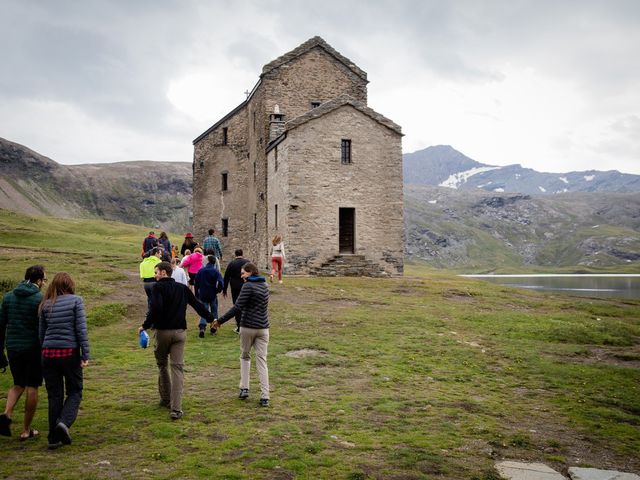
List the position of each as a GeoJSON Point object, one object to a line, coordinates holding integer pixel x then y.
{"type": "Point", "coordinates": [304, 157]}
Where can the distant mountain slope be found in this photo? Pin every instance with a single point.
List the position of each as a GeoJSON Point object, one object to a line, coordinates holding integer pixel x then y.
{"type": "Point", "coordinates": [444, 166]}
{"type": "Point", "coordinates": [477, 229]}
{"type": "Point", "coordinates": [144, 193]}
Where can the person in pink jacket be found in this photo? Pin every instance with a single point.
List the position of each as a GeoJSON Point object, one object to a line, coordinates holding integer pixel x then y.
{"type": "Point", "coordinates": [193, 263]}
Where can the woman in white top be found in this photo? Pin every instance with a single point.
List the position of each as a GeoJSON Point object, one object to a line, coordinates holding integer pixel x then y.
{"type": "Point", "coordinates": [277, 257]}
{"type": "Point", "coordinates": [178, 273]}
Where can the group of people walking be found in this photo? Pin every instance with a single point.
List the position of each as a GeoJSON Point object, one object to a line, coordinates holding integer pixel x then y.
{"type": "Point", "coordinates": [168, 297]}
{"type": "Point", "coordinates": [46, 337]}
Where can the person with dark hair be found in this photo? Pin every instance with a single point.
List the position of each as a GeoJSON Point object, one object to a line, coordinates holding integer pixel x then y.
{"type": "Point", "coordinates": [253, 303]}
{"type": "Point", "coordinates": [188, 244]}
{"type": "Point", "coordinates": [19, 329]}
{"type": "Point", "coordinates": [212, 242]}
{"type": "Point", "coordinates": [167, 315]}
{"type": "Point", "coordinates": [147, 274]}
{"type": "Point", "coordinates": [164, 242]}
{"type": "Point", "coordinates": [208, 283]}
{"type": "Point", "coordinates": [233, 279]}
{"type": "Point", "coordinates": [148, 243]}
{"type": "Point", "coordinates": [65, 353]}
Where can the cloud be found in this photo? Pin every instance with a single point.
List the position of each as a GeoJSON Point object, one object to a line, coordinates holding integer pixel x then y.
{"type": "Point", "coordinates": [541, 83]}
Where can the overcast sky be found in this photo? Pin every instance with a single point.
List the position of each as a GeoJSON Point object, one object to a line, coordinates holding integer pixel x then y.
{"type": "Point", "coordinates": [552, 85]}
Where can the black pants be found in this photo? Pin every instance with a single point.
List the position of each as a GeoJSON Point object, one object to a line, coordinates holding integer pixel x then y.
{"type": "Point", "coordinates": [62, 374]}
{"type": "Point", "coordinates": [234, 296]}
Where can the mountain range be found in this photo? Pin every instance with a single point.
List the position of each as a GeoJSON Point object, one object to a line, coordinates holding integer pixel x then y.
{"type": "Point", "coordinates": [444, 166]}
{"type": "Point", "coordinates": [156, 194]}
{"type": "Point", "coordinates": [459, 213]}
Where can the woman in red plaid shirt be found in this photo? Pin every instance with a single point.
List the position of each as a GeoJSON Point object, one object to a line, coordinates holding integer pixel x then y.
{"type": "Point", "coordinates": [65, 352]}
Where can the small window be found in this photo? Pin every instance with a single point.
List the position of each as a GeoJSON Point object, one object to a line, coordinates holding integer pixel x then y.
{"type": "Point", "coordinates": [255, 222]}
{"type": "Point", "coordinates": [346, 151]}
{"type": "Point", "coordinates": [225, 136]}
{"type": "Point", "coordinates": [315, 104]}
{"type": "Point", "coordinates": [225, 182]}
{"type": "Point", "coordinates": [255, 171]}
{"type": "Point", "coordinates": [225, 227]}
{"type": "Point", "coordinates": [275, 156]}
{"type": "Point", "coordinates": [276, 215]}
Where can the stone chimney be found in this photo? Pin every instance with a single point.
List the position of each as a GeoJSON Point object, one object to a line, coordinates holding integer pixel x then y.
{"type": "Point", "coordinates": [276, 123]}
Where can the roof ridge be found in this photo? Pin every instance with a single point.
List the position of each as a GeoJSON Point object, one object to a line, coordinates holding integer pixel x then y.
{"type": "Point", "coordinates": [338, 102]}
{"type": "Point", "coordinates": [303, 48]}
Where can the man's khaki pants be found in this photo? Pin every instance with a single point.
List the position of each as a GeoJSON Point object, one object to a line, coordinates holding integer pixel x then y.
{"type": "Point", "coordinates": [259, 340]}
{"type": "Point", "coordinates": [170, 346]}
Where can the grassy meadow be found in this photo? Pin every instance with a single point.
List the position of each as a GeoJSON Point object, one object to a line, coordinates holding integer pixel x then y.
{"type": "Point", "coordinates": [429, 376]}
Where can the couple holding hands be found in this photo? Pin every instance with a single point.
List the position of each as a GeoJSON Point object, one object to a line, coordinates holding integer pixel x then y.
{"type": "Point", "coordinates": [167, 315]}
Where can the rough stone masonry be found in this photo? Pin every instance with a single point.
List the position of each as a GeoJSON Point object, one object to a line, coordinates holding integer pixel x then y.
{"type": "Point", "coordinates": [304, 157]}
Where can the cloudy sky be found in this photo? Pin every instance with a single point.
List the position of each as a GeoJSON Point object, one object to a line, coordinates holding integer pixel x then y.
{"type": "Point", "coordinates": [551, 84]}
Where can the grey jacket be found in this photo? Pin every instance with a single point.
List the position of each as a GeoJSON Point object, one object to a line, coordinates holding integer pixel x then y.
{"type": "Point", "coordinates": [64, 325]}
{"type": "Point", "coordinates": [253, 302]}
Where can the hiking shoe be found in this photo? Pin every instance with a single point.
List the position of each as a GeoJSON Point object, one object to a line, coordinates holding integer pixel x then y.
{"type": "Point", "coordinates": [201, 334]}
{"type": "Point", "coordinates": [63, 433]}
{"type": "Point", "coordinates": [176, 414]}
{"type": "Point", "coordinates": [213, 331]}
{"type": "Point", "coordinates": [5, 425]}
{"type": "Point", "coordinates": [244, 393]}
{"type": "Point", "coordinates": [264, 402]}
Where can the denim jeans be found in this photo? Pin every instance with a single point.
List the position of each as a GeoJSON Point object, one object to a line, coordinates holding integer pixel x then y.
{"type": "Point", "coordinates": [212, 306]}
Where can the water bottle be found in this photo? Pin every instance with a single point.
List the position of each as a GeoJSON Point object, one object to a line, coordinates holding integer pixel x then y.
{"type": "Point", "coordinates": [144, 339]}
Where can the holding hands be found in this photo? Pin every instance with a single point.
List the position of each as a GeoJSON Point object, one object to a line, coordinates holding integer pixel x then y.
{"type": "Point", "coordinates": [215, 324]}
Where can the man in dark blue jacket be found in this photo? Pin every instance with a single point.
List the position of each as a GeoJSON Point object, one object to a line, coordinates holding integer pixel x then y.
{"type": "Point", "coordinates": [208, 283]}
{"type": "Point", "coordinates": [168, 315]}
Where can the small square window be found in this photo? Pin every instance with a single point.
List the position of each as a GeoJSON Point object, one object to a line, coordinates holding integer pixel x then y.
{"type": "Point", "coordinates": [315, 104]}
{"type": "Point", "coordinates": [225, 182]}
{"type": "Point", "coordinates": [346, 151]}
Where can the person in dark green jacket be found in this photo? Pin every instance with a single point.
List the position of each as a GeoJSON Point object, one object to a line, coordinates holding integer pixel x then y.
{"type": "Point", "coordinates": [19, 330]}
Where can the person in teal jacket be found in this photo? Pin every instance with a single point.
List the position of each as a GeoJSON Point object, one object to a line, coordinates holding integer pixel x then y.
{"type": "Point", "coordinates": [19, 330]}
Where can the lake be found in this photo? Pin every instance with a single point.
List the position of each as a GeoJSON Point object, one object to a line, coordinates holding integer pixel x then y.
{"type": "Point", "coordinates": [587, 285]}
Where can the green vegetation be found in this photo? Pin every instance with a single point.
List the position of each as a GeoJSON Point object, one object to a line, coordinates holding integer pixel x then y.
{"type": "Point", "coordinates": [425, 376]}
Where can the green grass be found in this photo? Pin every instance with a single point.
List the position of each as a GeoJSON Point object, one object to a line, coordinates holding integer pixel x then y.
{"type": "Point", "coordinates": [421, 377]}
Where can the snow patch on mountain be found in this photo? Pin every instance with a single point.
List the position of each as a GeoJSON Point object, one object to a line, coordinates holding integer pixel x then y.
{"type": "Point", "coordinates": [564, 179]}
{"type": "Point", "coordinates": [455, 180]}
{"type": "Point", "coordinates": [589, 178]}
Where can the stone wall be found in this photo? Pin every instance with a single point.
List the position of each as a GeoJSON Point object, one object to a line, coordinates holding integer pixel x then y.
{"type": "Point", "coordinates": [318, 184]}
{"type": "Point", "coordinates": [211, 204]}
{"type": "Point", "coordinates": [313, 77]}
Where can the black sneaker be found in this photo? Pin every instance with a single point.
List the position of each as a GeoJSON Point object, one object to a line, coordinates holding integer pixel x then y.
{"type": "Point", "coordinates": [63, 433]}
{"type": "Point", "coordinates": [264, 402]}
{"type": "Point", "coordinates": [201, 334]}
{"type": "Point", "coordinates": [244, 393]}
